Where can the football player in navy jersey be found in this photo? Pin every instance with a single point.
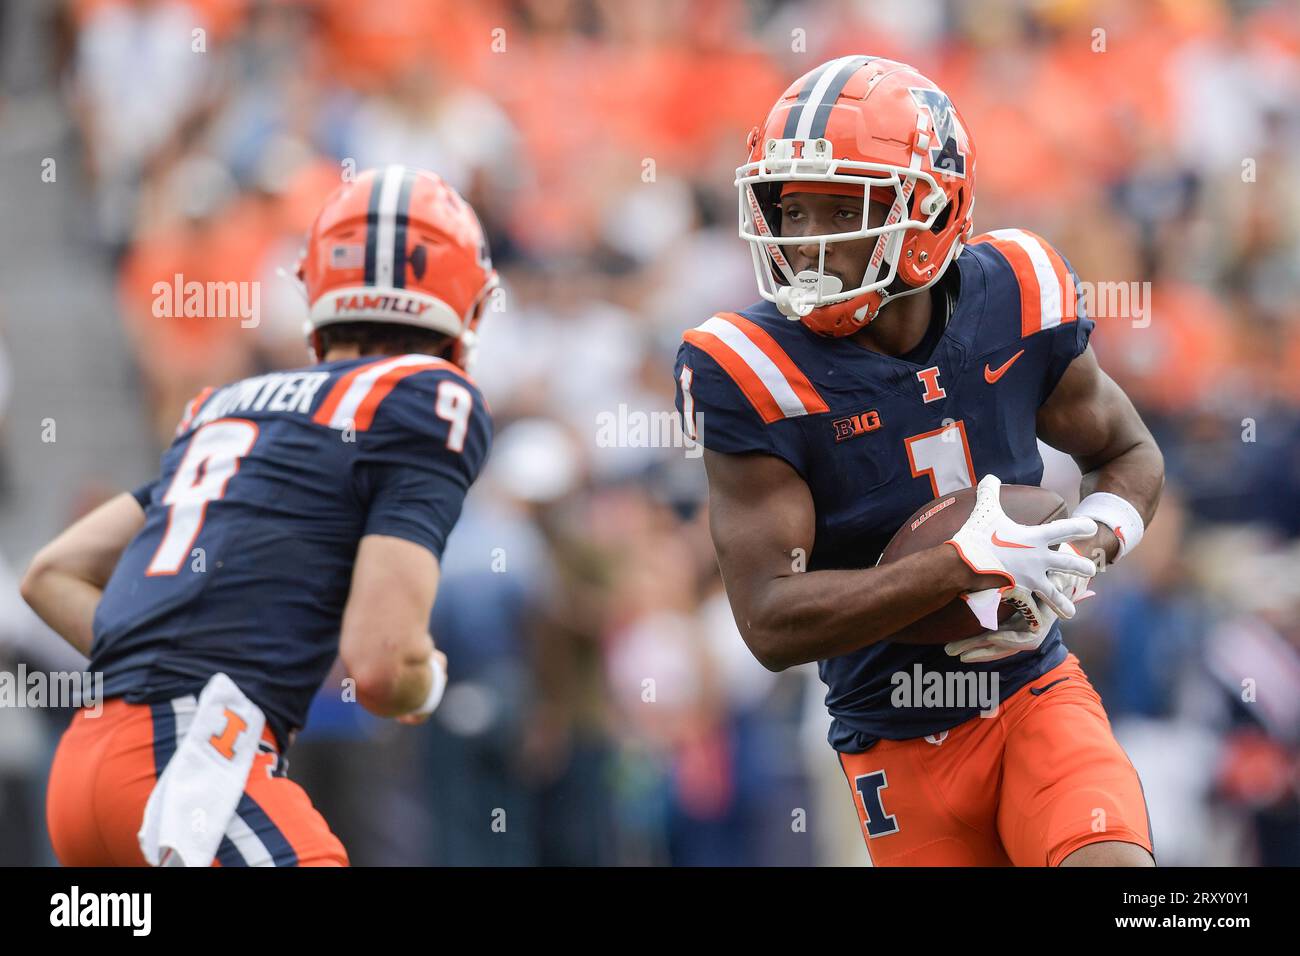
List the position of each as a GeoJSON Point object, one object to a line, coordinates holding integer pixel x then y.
{"type": "Point", "coordinates": [894, 358]}
{"type": "Point", "coordinates": [299, 516]}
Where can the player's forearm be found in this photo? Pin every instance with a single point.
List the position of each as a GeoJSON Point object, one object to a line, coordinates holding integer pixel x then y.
{"type": "Point", "coordinates": [1138, 476]}
{"type": "Point", "coordinates": [63, 601]}
{"type": "Point", "coordinates": [815, 615]}
{"type": "Point", "coordinates": [67, 577]}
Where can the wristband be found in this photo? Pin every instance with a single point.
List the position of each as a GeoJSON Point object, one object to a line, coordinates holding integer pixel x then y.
{"type": "Point", "coordinates": [1115, 513]}
{"type": "Point", "coordinates": [435, 689]}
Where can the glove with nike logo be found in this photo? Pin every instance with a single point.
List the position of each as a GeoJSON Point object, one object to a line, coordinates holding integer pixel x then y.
{"type": "Point", "coordinates": [991, 543]}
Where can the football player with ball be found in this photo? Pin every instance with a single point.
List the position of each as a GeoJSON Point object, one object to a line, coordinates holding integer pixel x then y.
{"type": "Point", "coordinates": [893, 384]}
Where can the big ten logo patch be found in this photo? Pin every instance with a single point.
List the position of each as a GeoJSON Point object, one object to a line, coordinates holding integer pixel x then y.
{"type": "Point", "coordinates": [855, 425]}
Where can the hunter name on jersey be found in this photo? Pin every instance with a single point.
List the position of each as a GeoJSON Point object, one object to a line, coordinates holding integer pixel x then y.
{"type": "Point", "coordinates": [264, 495]}
{"type": "Point", "coordinates": [876, 436]}
{"type": "Point", "coordinates": [276, 392]}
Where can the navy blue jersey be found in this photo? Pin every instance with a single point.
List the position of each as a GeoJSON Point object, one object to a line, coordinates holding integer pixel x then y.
{"type": "Point", "coordinates": [876, 436]}
{"type": "Point", "coordinates": [245, 559]}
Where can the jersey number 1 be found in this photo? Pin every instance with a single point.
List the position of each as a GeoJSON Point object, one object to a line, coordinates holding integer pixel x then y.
{"type": "Point", "coordinates": [943, 455]}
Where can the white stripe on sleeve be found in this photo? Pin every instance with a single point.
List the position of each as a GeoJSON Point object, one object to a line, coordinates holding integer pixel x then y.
{"type": "Point", "coordinates": [1049, 287]}
{"type": "Point", "coordinates": [773, 379]}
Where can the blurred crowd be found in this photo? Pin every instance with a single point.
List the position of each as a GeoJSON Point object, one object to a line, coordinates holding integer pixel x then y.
{"type": "Point", "coordinates": [603, 708]}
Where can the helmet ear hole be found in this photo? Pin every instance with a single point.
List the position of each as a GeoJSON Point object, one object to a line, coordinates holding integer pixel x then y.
{"type": "Point", "coordinates": [941, 223]}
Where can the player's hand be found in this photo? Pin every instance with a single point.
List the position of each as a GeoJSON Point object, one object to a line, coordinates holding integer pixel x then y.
{"type": "Point", "coordinates": [1013, 637]}
{"type": "Point", "coordinates": [1025, 555]}
{"type": "Point", "coordinates": [438, 663]}
{"type": "Point", "coordinates": [1076, 586]}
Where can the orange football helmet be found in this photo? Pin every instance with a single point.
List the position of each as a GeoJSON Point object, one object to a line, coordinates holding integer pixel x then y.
{"type": "Point", "coordinates": [867, 125]}
{"type": "Point", "coordinates": [398, 245]}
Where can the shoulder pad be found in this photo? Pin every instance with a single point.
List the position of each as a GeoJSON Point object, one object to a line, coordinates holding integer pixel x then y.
{"type": "Point", "coordinates": [192, 408]}
{"type": "Point", "coordinates": [761, 369]}
{"type": "Point", "coordinates": [356, 396]}
{"type": "Point", "coordinates": [1048, 288]}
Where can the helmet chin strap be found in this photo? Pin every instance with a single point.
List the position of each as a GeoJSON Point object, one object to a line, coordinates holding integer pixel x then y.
{"type": "Point", "coordinates": [887, 297]}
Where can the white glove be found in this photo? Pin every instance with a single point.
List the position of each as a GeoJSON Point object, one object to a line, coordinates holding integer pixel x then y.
{"type": "Point", "coordinates": [1011, 638]}
{"type": "Point", "coordinates": [991, 543]}
{"type": "Point", "coordinates": [1075, 586]}
{"type": "Point", "coordinates": [1017, 634]}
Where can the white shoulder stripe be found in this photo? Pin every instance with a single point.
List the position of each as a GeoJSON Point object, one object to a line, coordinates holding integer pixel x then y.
{"type": "Point", "coordinates": [1049, 287]}
{"type": "Point", "coordinates": [772, 378]}
{"type": "Point", "coordinates": [346, 412]}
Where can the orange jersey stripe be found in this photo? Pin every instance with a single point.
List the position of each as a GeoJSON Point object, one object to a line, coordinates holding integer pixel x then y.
{"type": "Point", "coordinates": [798, 382]}
{"type": "Point", "coordinates": [1031, 318]}
{"type": "Point", "coordinates": [1068, 302]}
{"type": "Point", "coordinates": [335, 397]}
{"type": "Point", "coordinates": [385, 384]}
{"type": "Point", "coordinates": [193, 407]}
{"type": "Point", "coordinates": [735, 366]}
{"type": "Point", "coordinates": [1028, 278]}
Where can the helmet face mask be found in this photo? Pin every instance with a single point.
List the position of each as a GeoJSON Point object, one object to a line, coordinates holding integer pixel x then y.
{"type": "Point", "coordinates": [919, 160]}
{"type": "Point", "coordinates": [858, 179]}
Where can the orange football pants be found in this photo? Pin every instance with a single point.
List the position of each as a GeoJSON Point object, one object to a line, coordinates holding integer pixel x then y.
{"type": "Point", "coordinates": [106, 767]}
{"type": "Point", "coordinates": [1026, 787]}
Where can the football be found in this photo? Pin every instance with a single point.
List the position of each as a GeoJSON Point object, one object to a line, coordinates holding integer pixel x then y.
{"type": "Point", "coordinates": [934, 523]}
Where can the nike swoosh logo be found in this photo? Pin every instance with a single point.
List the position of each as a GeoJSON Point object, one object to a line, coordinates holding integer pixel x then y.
{"type": "Point", "coordinates": [1007, 544]}
{"type": "Point", "coordinates": [1046, 687]}
{"type": "Point", "coordinates": [992, 375]}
